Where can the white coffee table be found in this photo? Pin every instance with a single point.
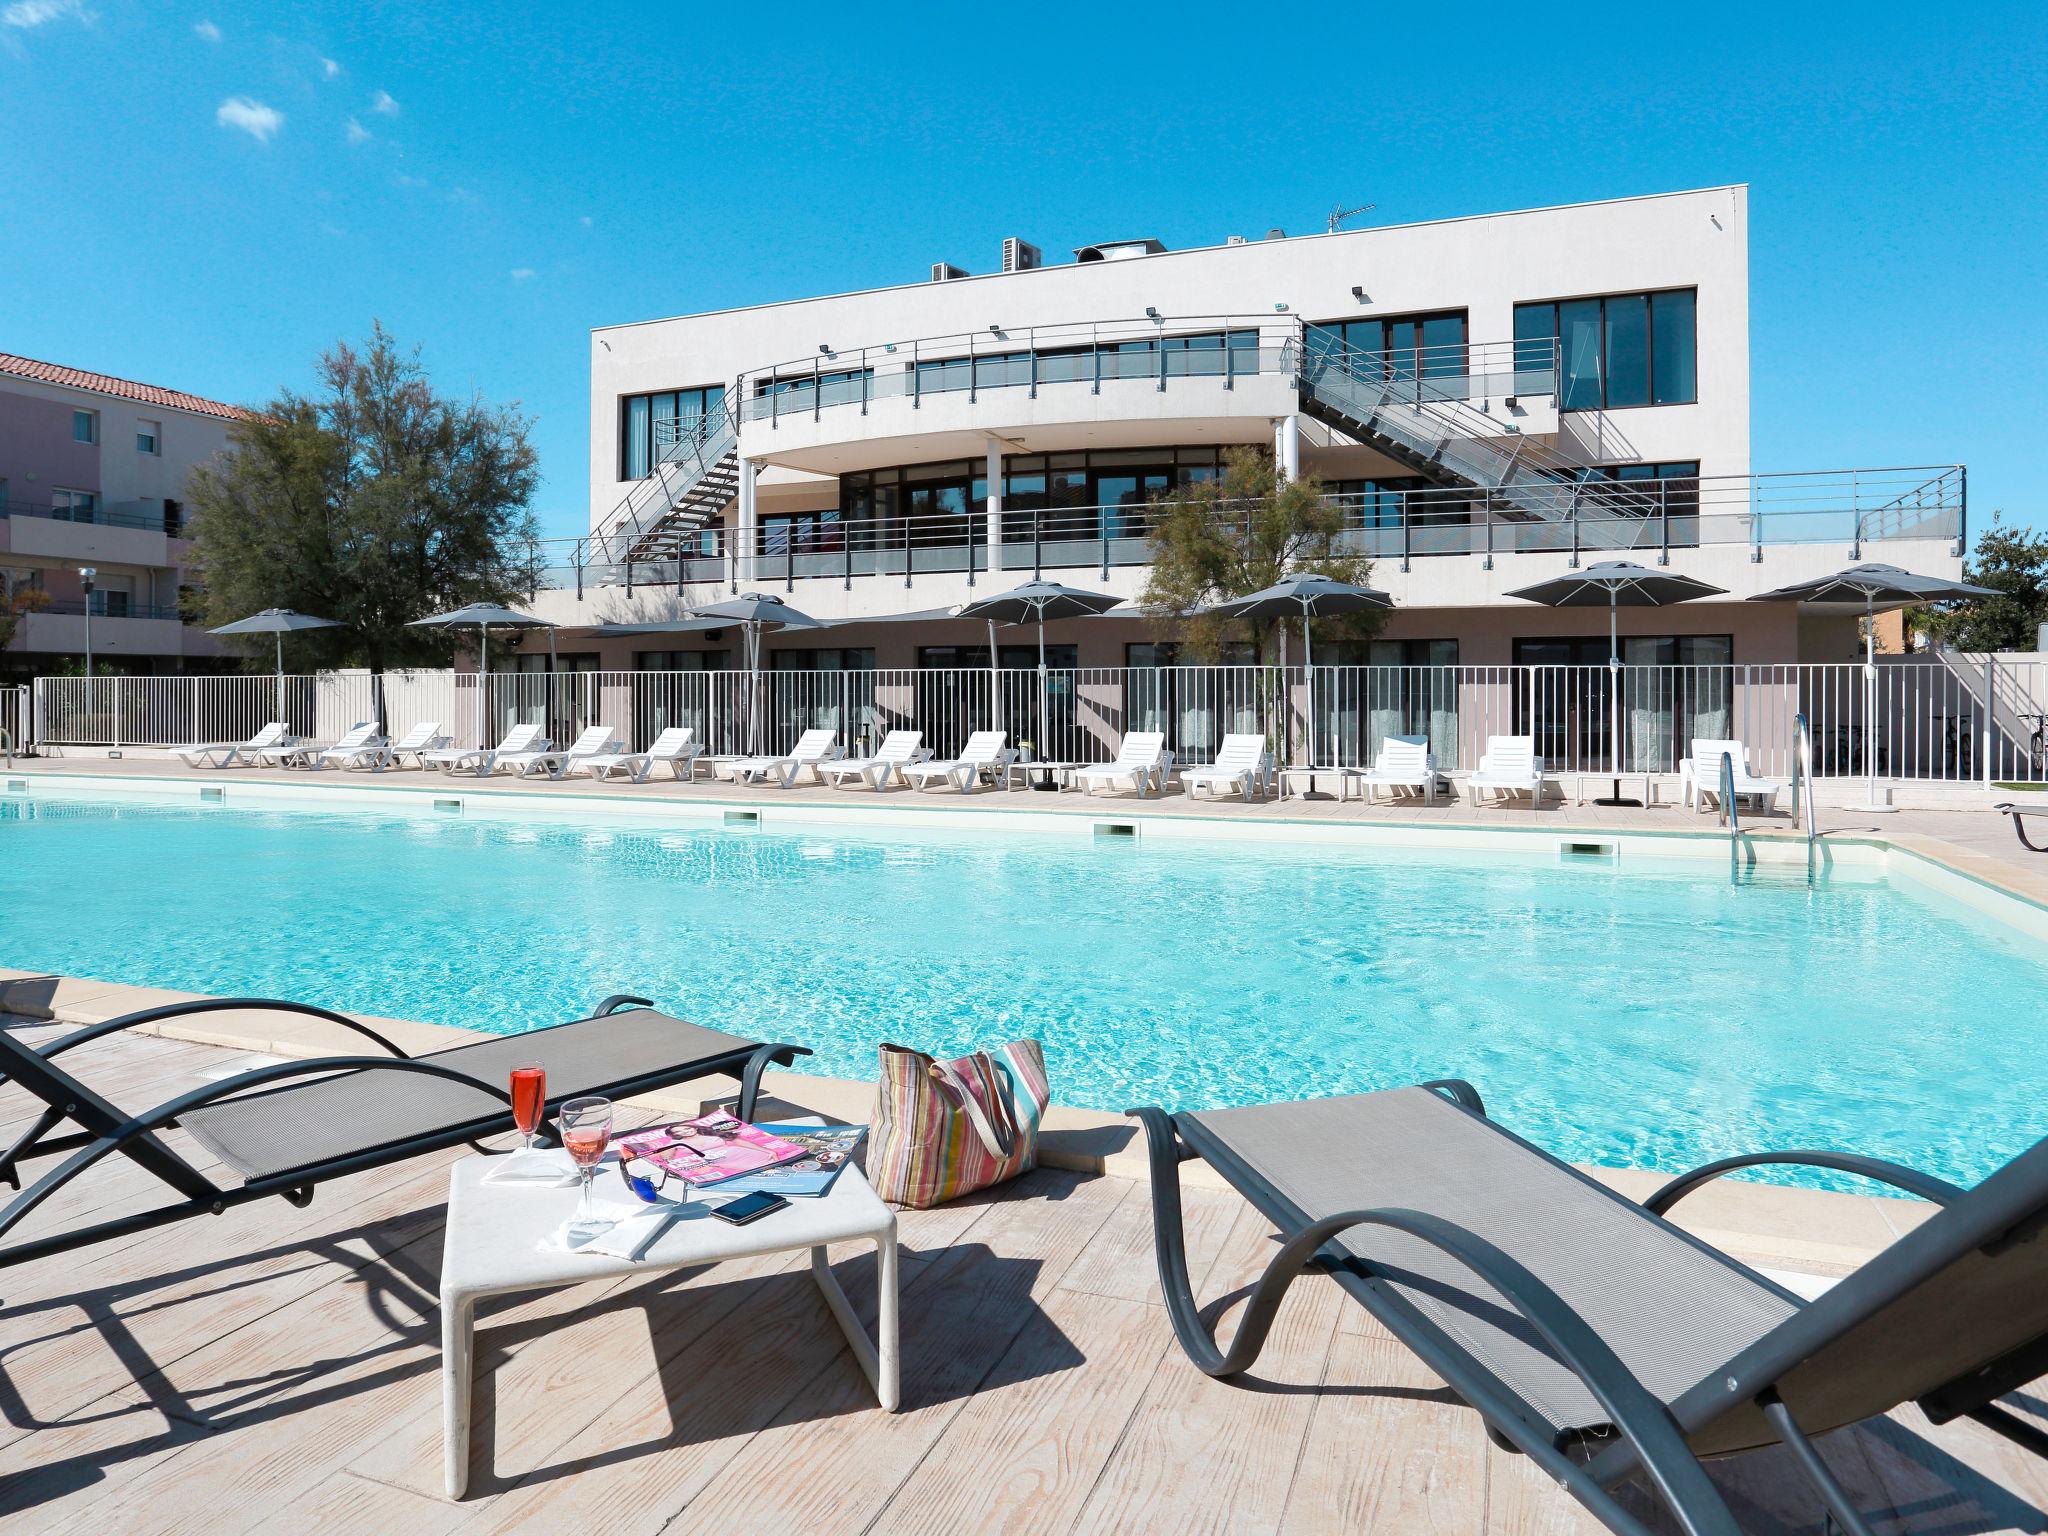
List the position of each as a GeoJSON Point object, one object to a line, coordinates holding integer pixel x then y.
{"type": "Point", "coordinates": [493, 1247]}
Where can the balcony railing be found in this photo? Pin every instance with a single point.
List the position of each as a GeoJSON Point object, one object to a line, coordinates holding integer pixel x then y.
{"type": "Point", "coordinates": [1644, 519]}
{"type": "Point", "coordinates": [1932, 717]}
{"type": "Point", "coordinates": [102, 609]}
{"type": "Point", "coordinates": [143, 515]}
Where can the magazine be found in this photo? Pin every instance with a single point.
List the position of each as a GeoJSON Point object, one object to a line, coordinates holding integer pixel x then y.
{"type": "Point", "coordinates": [709, 1149]}
{"type": "Point", "coordinates": [827, 1149]}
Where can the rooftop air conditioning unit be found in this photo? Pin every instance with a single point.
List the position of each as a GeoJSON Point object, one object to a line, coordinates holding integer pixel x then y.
{"type": "Point", "coordinates": [1021, 255]}
{"type": "Point", "coordinates": [1236, 240]}
{"type": "Point", "coordinates": [945, 272]}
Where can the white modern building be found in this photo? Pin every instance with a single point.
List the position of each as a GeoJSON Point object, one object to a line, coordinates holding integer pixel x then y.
{"type": "Point", "coordinates": [1491, 400]}
{"type": "Point", "coordinates": [93, 473]}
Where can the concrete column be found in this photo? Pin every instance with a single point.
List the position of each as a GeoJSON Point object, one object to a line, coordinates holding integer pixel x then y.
{"type": "Point", "coordinates": [995, 505]}
{"type": "Point", "coordinates": [1287, 447]}
{"type": "Point", "coordinates": [744, 559]}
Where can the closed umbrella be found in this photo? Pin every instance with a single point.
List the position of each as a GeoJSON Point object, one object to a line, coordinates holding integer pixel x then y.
{"type": "Point", "coordinates": [1873, 585]}
{"type": "Point", "coordinates": [1309, 597]}
{"type": "Point", "coordinates": [1615, 584]}
{"type": "Point", "coordinates": [1034, 603]}
{"type": "Point", "coordinates": [756, 613]}
{"type": "Point", "coordinates": [278, 622]}
{"type": "Point", "coordinates": [483, 616]}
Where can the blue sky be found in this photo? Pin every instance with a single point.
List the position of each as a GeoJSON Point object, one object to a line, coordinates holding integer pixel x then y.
{"type": "Point", "coordinates": [203, 197]}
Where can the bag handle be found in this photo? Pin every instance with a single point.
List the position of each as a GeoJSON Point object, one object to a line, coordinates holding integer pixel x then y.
{"type": "Point", "coordinates": [1000, 1141]}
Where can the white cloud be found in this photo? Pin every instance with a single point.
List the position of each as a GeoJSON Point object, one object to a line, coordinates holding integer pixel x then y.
{"type": "Point", "coordinates": [382, 104]}
{"type": "Point", "coordinates": [357, 133]}
{"type": "Point", "coordinates": [28, 14]}
{"type": "Point", "coordinates": [522, 274]}
{"type": "Point", "coordinates": [207, 31]}
{"type": "Point", "coordinates": [585, 221]}
{"type": "Point", "coordinates": [251, 117]}
{"type": "Point", "coordinates": [329, 69]}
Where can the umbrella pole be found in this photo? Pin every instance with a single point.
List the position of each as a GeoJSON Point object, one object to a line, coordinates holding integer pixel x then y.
{"type": "Point", "coordinates": [1872, 806]}
{"type": "Point", "coordinates": [1614, 699]}
{"type": "Point", "coordinates": [1044, 713]}
{"type": "Point", "coordinates": [483, 684]}
{"type": "Point", "coordinates": [995, 682]}
{"type": "Point", "coordinates": [1308, 668]}
{"type": "Point", "coordinates": [279, 637]}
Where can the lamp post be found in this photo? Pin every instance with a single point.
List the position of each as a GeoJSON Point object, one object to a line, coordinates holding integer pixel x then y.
{"type": "Point", "coordinates": [86, 576]}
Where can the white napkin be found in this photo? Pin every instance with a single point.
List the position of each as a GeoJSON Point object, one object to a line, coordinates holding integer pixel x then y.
{"type": "Point", "coordinates": [540, 1168]}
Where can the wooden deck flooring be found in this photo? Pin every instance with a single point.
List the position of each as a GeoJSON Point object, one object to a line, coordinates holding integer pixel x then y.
{"type": "Point", "coordinates": [276, 1369]}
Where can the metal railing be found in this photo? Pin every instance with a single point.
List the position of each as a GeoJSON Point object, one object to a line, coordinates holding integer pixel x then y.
{"type": "Point", "coordinates": [1732, 814]}
{"type": "Point", "coordinates": [1802, 779]}
{"type": "Point", "coordinates": [1948, 722]}
{"type": "Point", "coordinates": [1648, 518]}
{"type": "Point", "coordinates": [687, 449]}
{"type": "Point", "coordinates": [103, 609]}
{"type": "Point", "coordinates": [128, 514]}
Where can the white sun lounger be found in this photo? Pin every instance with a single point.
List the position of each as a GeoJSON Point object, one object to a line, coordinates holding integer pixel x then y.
{"type": "Point", "coordinates": [812, 748]}
{"type": "Point", "coordinates": [225, 754]}
{"type": "Point", "coordinates": [985, 753]}
{"type": "Point", "coordinates": [1700, 775]}
{"type": "Point", "coordinates": [481, 760]}
{"type": "Point", "coordinates": [416, 743]}
{"type": "Point", "coordinates": [305, 755]}
{"type": "Point", "coordinates": [898, 750]}
{"type": "Point", "coordinates": [1508, 768]}
{"type": "Point", "coordinates": [1142, 762]}
{"type": "Point", "coordinates": [1240, 767]}
{"type": "Point", "coordinates": [673, 747]}
{"type": "Point", "coordinates": [1404, 763]}
{"type": "Point", "coordinates": [593, 741]}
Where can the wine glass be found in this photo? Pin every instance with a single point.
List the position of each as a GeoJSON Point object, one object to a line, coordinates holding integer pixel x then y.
{"type": "Point", "coordinates": [586, 1126]}
{"type": "Point", "coordinates": [529, 1094]}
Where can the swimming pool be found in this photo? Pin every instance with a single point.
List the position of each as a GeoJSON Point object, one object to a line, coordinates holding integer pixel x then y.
{"type": "Point", "coordinates": [1637, 1013]}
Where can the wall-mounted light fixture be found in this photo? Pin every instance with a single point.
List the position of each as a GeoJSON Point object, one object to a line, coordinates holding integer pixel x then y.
{"type": "Point", "coordinates": [1151, 313]}
{"type": "Point", "coordinates": [1358, 292]}
{"type": "Point", "coordinates": [889, 346]}
{"type": "Point", "coordinates": [995, 330]}
{"type": "Point", "coordinates": [1279, 309]}
{"type": "Point", "coordinates": [824, 349]}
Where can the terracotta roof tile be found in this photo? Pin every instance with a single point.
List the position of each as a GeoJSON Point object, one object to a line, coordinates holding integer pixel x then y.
{"type": "Point", "coordinates": [126, 389]}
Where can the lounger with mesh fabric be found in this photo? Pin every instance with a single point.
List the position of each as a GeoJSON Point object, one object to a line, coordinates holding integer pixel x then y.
{"type": "Point", "coordinates": [1589, 1332]}
{"type": "Point", "coordinates": [284, 1129]}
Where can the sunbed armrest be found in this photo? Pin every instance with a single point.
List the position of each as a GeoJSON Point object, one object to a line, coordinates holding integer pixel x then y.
{"type": "Point", "coordinates": [620, 1000]}
{"type": "Point", "coordinates": [1911, 1180]}
{"type": "Point", "coordinates": [214, 1005]}
{"type": "Point", "coordinates": [774, 1053]}
{"type": "Point", "coordinates": [1458, 1091]}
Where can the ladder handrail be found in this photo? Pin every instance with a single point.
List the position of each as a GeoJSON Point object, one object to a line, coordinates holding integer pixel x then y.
{"type": "Point", "coordinates": [1802, 773]}
{"type": "Point", "coordinates": [1734, 816]}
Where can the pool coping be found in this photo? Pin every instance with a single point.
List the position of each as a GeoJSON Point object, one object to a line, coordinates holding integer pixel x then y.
{"type": "Point", "coordinates": [1799, 1231]}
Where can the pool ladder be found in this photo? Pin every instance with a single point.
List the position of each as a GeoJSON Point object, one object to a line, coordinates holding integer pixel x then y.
{"type": "Point", "coordinates": [1734, 816]}
{"type": "Point", "coordinates": [1802, 775]}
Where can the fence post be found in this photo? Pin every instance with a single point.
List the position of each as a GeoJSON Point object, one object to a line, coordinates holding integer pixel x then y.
{"type": "Point", "coordinates": [1990, 714]}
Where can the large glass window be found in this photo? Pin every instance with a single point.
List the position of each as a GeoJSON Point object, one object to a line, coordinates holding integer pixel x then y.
{"type": "Point", "coordinates": [74, 506]}
{"type": "Point", "coordinates": [650, 425]}
{"type": "Point", "coordinates": [85, 426]}
{"type": "Point", "coordinates": [1570, 710]}
{"type": "Point", "coordinates": [1620, 351]}
{"type": "Point", "coordinates": [1426, 346]}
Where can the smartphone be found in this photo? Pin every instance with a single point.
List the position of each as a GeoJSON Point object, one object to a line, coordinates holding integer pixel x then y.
{"type": "Point", "coordinates": [749, 1208]}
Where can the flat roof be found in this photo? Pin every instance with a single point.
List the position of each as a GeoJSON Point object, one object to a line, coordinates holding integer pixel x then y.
{"type": "Point", "coordinates": [1222, 245]}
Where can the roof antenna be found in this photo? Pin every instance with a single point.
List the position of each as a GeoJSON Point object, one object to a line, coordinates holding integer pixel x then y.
{"type": "Point", "coordinates": [1340, 213]}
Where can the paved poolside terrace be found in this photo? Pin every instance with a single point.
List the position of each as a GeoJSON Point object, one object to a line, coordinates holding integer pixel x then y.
{"type": "Point", "coordinates": [279, 1368]}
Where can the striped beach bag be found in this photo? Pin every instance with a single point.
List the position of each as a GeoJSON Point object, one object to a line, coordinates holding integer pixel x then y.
{"type": "Point", "coordinates": [947, 1128]}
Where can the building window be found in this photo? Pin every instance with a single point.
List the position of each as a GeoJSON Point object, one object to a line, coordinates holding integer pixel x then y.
{"type": "Point", "coordinates": [148, 437]}
{"type": "Point", "coordinates": [1615, 352]}
{"type": "Point", "coordinates": [85, 426]}
{"type": "Point", "coordinates": [651, 425]}
{"type": "Point", "coordinates": [681, 661]}
{"type": "Point", "coordinates": [74, 506]}
{"type": "Point", "coordinates": [174, 518]}
{"type": "Point", "coordinates": [1430, 346]}
{"type": "Point", "coordinates": [852, 658]}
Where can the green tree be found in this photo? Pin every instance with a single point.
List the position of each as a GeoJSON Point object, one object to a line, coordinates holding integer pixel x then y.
{"type": "Point", "coordinates": [15, 603]}
{"type": "Point", "coordinates": [2015, 563]}
{"type": "Point", "coordinates": [1238, 534]}
{"type": "Point", "coordinates": [373, 501]}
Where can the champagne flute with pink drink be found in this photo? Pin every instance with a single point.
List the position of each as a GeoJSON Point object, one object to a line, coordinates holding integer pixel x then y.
{"type": "Point", "coordinates": [586, 1126]}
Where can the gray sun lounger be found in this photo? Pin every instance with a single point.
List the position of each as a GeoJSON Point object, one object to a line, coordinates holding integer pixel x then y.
{"type": "Point", "coordinates": [283, 1129]}
{"type": "Point", "coordinates": [2019, 815]}
{"type": "Point", "coordinates": [1589, 1332]}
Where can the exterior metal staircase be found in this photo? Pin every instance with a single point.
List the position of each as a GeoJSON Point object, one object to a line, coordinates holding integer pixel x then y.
{"type": "Point", "coordinates": [696, 473]}
{"type": "Point", "coordinates": [1414, 419]}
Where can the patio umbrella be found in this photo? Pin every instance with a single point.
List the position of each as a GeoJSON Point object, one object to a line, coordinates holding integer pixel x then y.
{"type": "Point", "coordinates": [755, 613]}
{"type": "Point", "coordinates": [278, 622]}
{"type": "Point", "coordinates": [1311, 597]}
{"type": "Point", "coordinates": [1872, 585]}
{"type": "Point", "coordinates": [1034, 603]}
{"type": "Point", "coordinates": [483, 616]}
{"type": "Point", "coordinates": [1615, 584]}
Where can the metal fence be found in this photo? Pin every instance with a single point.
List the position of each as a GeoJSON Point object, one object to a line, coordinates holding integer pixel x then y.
{"type": "Point", "coordinates": [1941, 717]}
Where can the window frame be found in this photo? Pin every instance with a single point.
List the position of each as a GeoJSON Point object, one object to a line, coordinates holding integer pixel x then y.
{"type": "Point", "coordinates": [153, 433]}
{"type": "Point", "coordinates": [1648, 298]}
{"type": "Point", "coordinates": [90, 420]}
{"type": "Point", "coordinates": [711, 397]}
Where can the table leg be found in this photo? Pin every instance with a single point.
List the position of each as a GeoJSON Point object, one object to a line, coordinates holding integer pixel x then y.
{"type": "Point", "coordinates": [458, 1319]}
{"type": "Point", "coordinates": [880, 1365]}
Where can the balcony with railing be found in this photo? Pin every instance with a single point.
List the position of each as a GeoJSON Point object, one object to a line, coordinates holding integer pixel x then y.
{"type": "Point", "coordinates": [1644, 519]}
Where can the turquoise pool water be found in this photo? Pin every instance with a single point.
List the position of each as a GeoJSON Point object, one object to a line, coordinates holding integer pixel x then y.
{"type": "Point", "coordinates": [1640, 1014]}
